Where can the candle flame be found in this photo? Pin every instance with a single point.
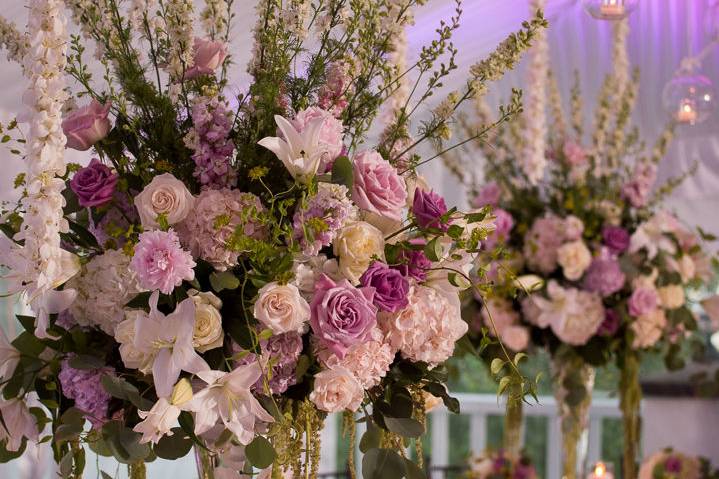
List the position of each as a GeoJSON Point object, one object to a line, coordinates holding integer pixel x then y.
{"type": "Point", "coordinates": [600, 469]}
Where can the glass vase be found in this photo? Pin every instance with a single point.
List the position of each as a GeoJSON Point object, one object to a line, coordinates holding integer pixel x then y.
{"type": "Point", "coordinates": [573, 386]}
{"type": "Point", "coordinates": [630, 397]}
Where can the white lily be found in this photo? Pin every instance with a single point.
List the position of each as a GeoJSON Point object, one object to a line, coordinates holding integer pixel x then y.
{"type": "Point", "coordinates": [9, 357]}
{"type": "Point", "coordinates": [301, 153]}
{"type": "Point", "coordinates": [17, 423]}
{"type": "Point", "coordinates": [168, 340]}
{"type": "Point", "coordinates": [227, 398]}
{"type": "Point", "coordinates": [159, 420]}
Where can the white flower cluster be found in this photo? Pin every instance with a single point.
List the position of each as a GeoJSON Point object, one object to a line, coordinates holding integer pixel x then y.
{"type": "Point", "coordinates": [178, 18]}
{"type": "Point", "coordinates": [215, 17]}
{"type": "Point", "coordinates": [141, 9]}
{"type": "Point", "coordinates": [104, 288]}
{"type": "Point", "coordinates": [48, 266]}
{"type": "Point", "coordinates": [536, 105]}
{"type": "Point", "coordinates": [13, 41]}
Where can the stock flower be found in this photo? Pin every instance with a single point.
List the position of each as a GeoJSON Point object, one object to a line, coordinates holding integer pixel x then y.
{"type": "Point", "coordinates": [9, 357]}
{"type": "Point", "coordinates": [355, 245]}
{"type": "Point", "coordinates": [615, 238]}
{"type": "Point", "coordinates": [574, 153]}
{"type": "Point", "coordinates": [208, 56]}
{"type": "Point", "coordinates": [637, 189]}
{"type": "Point", "coordinates": [427, 329]}
{"type": "Point", "coordinates": [330, 134]}
{"type": "Point", "coordinates": [377, 186]}
{"type": "Point", "coordinates": [86, 126]}
{"type": "Point", "coordinates": [574, 258]}
{"type": "Point", "coordinates": [503, 223]}
{"type": "Point", "coordinates": [165, 195]}
{"type": "Point", "coordinates": [542, 242]}
{"type": "Point", "coordinates": [209, 139]}
{"type": "Point", "coordinates": [160, 262]}
{"type": "Point", "coordinates": [208, 332]}
{"type": "Point", "coordinates": [428, 208]}
{"type": "Point", "coordinates": [279, 355]}
{"type": "Point", "coordinates": [17, 423]}
{"type": "Point", "coordinates": [391, 288]}
{"type": "Point", "coordinates": [642, 301]}
{"type": "Point", "coordinates": [94, 185]}
{"type": "Point", "coordinates": [168, 340]}
{"type": "Point", "coordinates": [331, 208]}
{"type": "Point", "coordinates": [336, 390]}
{"type": "Point", "coordinates": [227, 398]}
{"type": "Point", "coordinates": [281, 308]}
{"type": "Point", "coordinates": [216, 217]}
{"type": "Point", "coordinates": [301, 153]}
{"type": "Point", "coordinates": [648, 328]}
{"type": "Point", "coordinates": [342, 315]}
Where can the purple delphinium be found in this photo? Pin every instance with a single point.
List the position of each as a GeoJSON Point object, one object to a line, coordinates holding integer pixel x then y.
{"type": "Point", "coordinates": [615, 238]}
{"type": "Point", "coordinates": [391, 287]}
{"type": "Point", "coordinates": [604, 276]}
{"type": "Point", "coordinates": [428, 208]}
{"type": "Point", "coordinates": [332, 207]}
{"type": "Point", "coordinates": [85, 387]}
{"type": "Point", "coordinates": [209, 138]}
{"type": "Point", "coordinates": [281, 351]}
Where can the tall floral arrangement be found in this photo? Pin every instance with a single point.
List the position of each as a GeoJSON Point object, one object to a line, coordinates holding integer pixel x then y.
{"type": "Point", "coordinates": [226, 270]}
{"type": "Point", "coordinates": [584, 261]}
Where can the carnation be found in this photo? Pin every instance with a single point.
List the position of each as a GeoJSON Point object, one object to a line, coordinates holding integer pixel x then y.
{"type": "Point", "coordinates": [85, 387]}
{"type": "Point", "coordinates": [160, 262]}
{"type": "Point", "coordinates": [211, 225]}
{"type": "Point", "coordinates": [103, 288]}
{"type": "Point", "coordinates": [368, 361]}
{"type": "Point", "coordinates": [316, 224]}
{"type": "Point", "coordinates": [428, 328]}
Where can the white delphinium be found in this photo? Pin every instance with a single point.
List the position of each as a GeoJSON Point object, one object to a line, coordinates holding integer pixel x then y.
{"type": "Point", "coordinates": [16, 43]}
{"type": "Point", "coordinates": [178, 23]}
{"type": "Point", "coordinates": [536, 106]}
{"type": "Point", "coordinates": [46, 265]}
{"type": "Point", "coordinates": [215, 17]}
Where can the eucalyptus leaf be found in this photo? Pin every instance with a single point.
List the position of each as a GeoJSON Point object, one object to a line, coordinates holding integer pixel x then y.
{"type": "Point", "coordinates": [220, 280]}
{"type": "Point", "coordinates": [342, 172]}
{"type": "Point", "coordinates": [260, 452]}
{"type": "Point", "coordinates": [382, 464]}
{"type": "Point", "coordinates": [404, 426]}
{"type": "Point", "coordinates": [496, 366]}
{"type": "Point", "coordinates": [175, 446]}
{"type": "Point", "coordinates": [371, 438]}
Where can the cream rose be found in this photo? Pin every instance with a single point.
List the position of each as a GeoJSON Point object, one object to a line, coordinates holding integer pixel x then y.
{"type": "Point", "coordinates": [574, 258]}
{"type": "Point", "coordinates": [671, 296]}
{"type": "Point", "coordinates": [208, 332]}
{"type": "Point", "coordinates": [281, 308]}
{"type": "Point", "coordinates": [165, 195]}
{"type": "Point", "coordinates": [336, 389]}
{"type": "Point", "coordinates": [648, 328]}
{"type": "Point", "coordinates": [131, 357]}
{"type": "Point", "coordinates": [355, 246]}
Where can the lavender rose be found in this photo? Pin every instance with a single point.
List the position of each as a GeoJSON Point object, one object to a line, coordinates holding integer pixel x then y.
{"type": "Point", "coordinates": [642, 301]}
{"type": "Point", "coordinates": [377, 186]}
{"type": "Point", "coordinates": [86, 126]}
{"type": "Point", "coordinates": [616, 239]}
{"type": "Point", "coordinates": [342, 315]}
{"type": "Point", "coordinates": [428, 208]}
{"type": "Point", "coordinates": [94, 185]}
{"type": "Point", "coordinates": [208, 56]}
{"type": "Point", "coordinates": [391, 287]}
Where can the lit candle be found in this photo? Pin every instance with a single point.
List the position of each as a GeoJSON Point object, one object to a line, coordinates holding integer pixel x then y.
{"type": "Point", "coordinates": [612, 8]}
{"type": "Point", "coordinates": [601, 472]}
{"type": "Point", "coordinates": [687, 113]}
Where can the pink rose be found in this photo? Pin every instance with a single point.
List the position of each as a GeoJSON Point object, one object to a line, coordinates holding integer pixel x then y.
{"type": "Point", "coordinates": [330, 135]}
{"type": "Point", "coordinates": [342, 315]}
{"type": "Point", "coordinates": [336, 389]}
{"type": "Point", "coordinates": [377, 186]}
{"type": "Point", "coordinates": [642, 301]}
{"type": "Point", "coordinates": [281, 308]}
{"type": "Point", "coordinates": [165, 195]}
{"type": "Point", "coordinates": [86, 126]}
{"type": "Point", "coordinates": [208, 57]}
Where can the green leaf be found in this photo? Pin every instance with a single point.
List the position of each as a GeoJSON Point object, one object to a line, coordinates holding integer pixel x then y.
{"type": "Point", "coordinates": [518, 357]}
{"type": "Point", "coordinates": [27, 322]}
{"type": "Point", "coordinates": [382, 464]}
{"type": "Point", "coordinates": [404, 426]}
{"type": "Point", "coordinates": [175, 446]}
{"type": "Point", "coordinates": [413, 471]}
{"type": "Point", "coordinates": [85, 361]}
{"type": "Point", "coordinates": [503, 383]}
{"type": "Point", "coordinates": [124, 443]}
{"type": "Point", "coordinates": [371, 438]}
{"type": "Point", "coordinates": [121, 389]}
{"type": "Point", "coordinates": [260, 452]}
{"type": "Point", "coordinates": [220, 280]}
{"type": "Point", "coordinates": [28, 344]}
{"type": "Point", "coordinates": [342, 172]}
{"type": "Point", "coordinates": [141, 301]}
{"type": "Point", "coordinates": [433, 249]}
{"type": "Point", "coordinates": [496, 366]}
{"type": "Point", "coordinates": [7, 456]}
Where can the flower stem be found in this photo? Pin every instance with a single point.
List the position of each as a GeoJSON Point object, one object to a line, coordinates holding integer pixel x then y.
{"type": "Point", "coordinates": [630, 396]}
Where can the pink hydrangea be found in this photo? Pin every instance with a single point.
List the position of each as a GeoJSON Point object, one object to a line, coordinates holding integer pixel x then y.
{"type": "Point", "coordinates": [215, 219]}
{"type": "Point", "coordinates": [160, 262]}
{"type": "Point", "coordinates": [542, 242]}
{"type": "Point", "coordinates": [427, 329]}
{"type": "Point", "coordinates": [331, 133]}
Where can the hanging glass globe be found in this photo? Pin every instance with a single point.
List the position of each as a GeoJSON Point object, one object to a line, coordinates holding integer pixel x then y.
{"type": "Point", "coordinates": [610, 9]}
{"type": "Point", "coordinates": [689, 98]}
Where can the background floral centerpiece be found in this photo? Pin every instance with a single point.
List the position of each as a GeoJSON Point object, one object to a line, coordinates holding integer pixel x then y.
{"type": "Point", "coordinates": [230, 268]}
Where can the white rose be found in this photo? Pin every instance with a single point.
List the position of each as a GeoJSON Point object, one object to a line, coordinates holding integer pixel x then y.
{"type": "Point", "coordinates": [574, 258]}
{"type": "Point", "coordinates": [671, 296]}
{"type": "Point", "coordinates": [208, 332]}
{"type": "Point", "coordinates": [281, 308]}
{"type": "Point", "coordinates": [164, 195]}
{"type": "Point", "coordinates": [355, 246]}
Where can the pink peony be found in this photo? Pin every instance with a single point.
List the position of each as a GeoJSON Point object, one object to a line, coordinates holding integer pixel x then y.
{"type": "Point", "coordinates": [427, 329]}
{"type": "Point", "coordinates": [342, 315]}
{"type": "Point", "coordinates": [642, 301]}
{"type": "Point", "coordinates": [87, 125]}
{"type": "Point", "coordinates": [330, 136]}
{"type": "Point", "coordinates": [377, 187]}
{"type": "Point", "coordinates": [336, 389]}
{"type": "Point", "coordinates": [208, 56]}
{"type": "Point", "coordinates": [488, 195]}
{"type": "Point", "coordinates": [160, 262]}
{"type": "Point", "coordinates": [214, 220]}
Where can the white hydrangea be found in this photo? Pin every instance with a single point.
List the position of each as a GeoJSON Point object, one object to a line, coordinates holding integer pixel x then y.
{"type": "Point", "coordinates": [106, 284]}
